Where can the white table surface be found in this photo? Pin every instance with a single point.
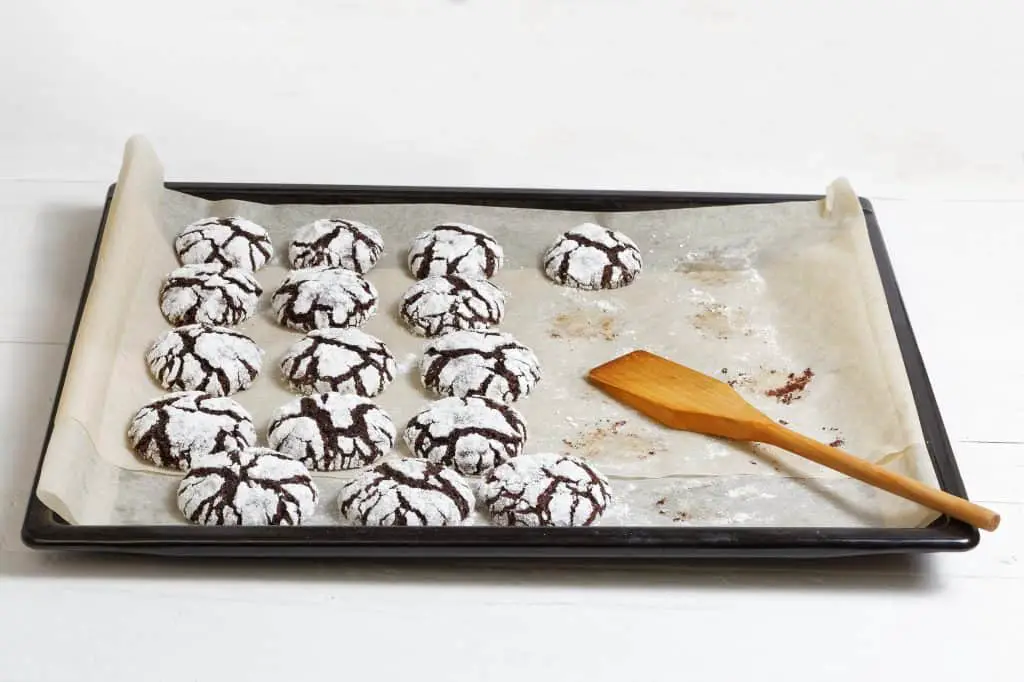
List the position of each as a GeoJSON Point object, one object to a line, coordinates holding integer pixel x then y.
{"type": "Point", "coordinates": [920, 104]}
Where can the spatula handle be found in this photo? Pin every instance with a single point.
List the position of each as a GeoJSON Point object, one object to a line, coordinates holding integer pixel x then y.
{"type": "Point", "coordinates": [865, 471]}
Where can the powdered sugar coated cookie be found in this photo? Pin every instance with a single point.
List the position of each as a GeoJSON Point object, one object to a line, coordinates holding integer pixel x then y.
{"type": "Point", "coordinates": [455, 249]}
{"type": "Point", "coordinates": [200, 357]}
{"type": "Point", "coordinates": [233, 242]}
{"type": "Point", "coordinates": [209, 293]}
{"type": "Point", "coordinates": [343, 360]}
{"type": "Point", "coordinates": [332, 431]}
{"type": "Point", "coordinates": [471, 435]}
{"type": "Point", "coordinates": [481, 363]}
{"type": "Point", "coordinates": [406, 492]}
{"type": "Point", "coordinates": [444, 303]}
{"type": "Point", "coordinates": [593, 257]}
{"type": "Point", "coordinates": [251, 487]}
{"type": "Point", "coordinates": [545, 490]}
{"type": "Point", "coordinates": [332, 242]}
{"type": "Point", "coordinates": [317, 298]}
{"type": "Point", "coordinates": [177, 428]}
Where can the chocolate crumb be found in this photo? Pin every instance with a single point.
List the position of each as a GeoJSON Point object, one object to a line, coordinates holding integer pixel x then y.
{"type": "Point", "coordinates": [793, 388]}
{"type": "Point", "coordinates": [681, 516]}
{"type": "Point", "coordinates": [838, 442]}
{"type": "Point", "coordinates": [725, 371]}
{"type": "Point", "coordinates": [754, 462]}
{"type": "Point", "coordinates": [784, 422]}
{"type": "Point", "coordinates": [661, 502]}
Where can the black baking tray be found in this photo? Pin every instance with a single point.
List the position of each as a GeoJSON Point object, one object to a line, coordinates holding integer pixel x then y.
{"type": "Point", "coordinates": [42, 529]}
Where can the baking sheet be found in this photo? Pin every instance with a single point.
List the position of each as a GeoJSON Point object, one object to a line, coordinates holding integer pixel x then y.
{"type": "Point", "coordinates": [751, 294]}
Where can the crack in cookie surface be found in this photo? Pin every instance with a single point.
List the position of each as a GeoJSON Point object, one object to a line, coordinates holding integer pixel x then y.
{"type": "Point", "coordinates": [479, 363]}
{"type": "Point", "coordinates": [471, 435]}
{"type": "Point", "coordinates": [332, 431]}
{"type": "Point", "coordinates": [546, 490]}
{"type": "Point", "coordinates": [406, 492]}
{"type": "Point", "coordinates": [201, 357]}
{"type": "Point", "coordinates": [593, 257]}
{"type": "Point", "coordinates": [233, 242]}
{"type": "Point", "coordinates": [251, 487]}
{"type": "Point", "coordinates": [443, 303]}
{"type": "Point", "coordinates": [342, 360]}
{"type": "Point", "coordinates": [455, 249]}
{"type": "Point", "coordinates": [209, 293]}
{"type": "Point", "coordinates": [176, 428]}
{"type": "Point", "coordinates": [319, 298]}
{"type": "Point", "coordinates": [332, 242]}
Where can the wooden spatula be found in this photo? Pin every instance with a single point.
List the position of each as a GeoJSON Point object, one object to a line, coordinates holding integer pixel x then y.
{"type": "Point", "coordinates": [682, 398]}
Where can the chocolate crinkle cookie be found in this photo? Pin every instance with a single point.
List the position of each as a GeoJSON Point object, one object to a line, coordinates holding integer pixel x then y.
{"type": "Point", "coordinates": [332, 431]}
{"type": "Point", "coordinates": [471, 435]}
{"type": "Point", "coordinates": [232, 242]}
{"type": "Point", "coordinates": [545, 490]}
{"type": "Point", "coordinates": [342, 360]}
{"type": "Point", "coordinates": [209, 293]}
{"type": "Point", "coordinates": [251, 487]}
{"type": "Point", "coordinates": [479, 363]}
{"type": "Point", "coordinates": [593, 257]}
{"type": "Point", "coordinates": [345, 244]}
{"type": "Point", "coordinates": [177, 428]}
{"type": "Point", "coordinates": [406, 492]}
{"type": "Point", "coordinates": [201, 357]}
{"type": "Point", "coordinates": [444, 303]}
{"type": "Point", "coordinates": [318, 298]}
{"type": "Point", "coordinates": [455, 249]}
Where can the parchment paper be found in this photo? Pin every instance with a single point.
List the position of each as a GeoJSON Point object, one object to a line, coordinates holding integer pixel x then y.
{"type": "Point", "coordinates": [750, 294]}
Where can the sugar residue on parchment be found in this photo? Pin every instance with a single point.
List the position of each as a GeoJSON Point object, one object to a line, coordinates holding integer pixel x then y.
{"type": "Point", "coordinates": [718, 320]}
{"type": "Point", "coordinates": [612, 438]}
{"type": "Point", "coordinates": [597, 320]}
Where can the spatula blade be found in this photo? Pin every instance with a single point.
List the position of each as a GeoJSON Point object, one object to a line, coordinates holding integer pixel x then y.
{"type": "Point", "coordinates": [677, 396]}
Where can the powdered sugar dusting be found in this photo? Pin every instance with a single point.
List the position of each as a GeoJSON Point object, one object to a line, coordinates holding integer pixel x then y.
{"type": "Point", "coordinates": [201, 357]}
{"type": "Point", "coordinates": [471, 435]}
{"type": "Point", "coordinates": [251, 487]}
{"type": "Point", "coordinates": [343, 360]}
{"type": "Point", "coordinates": [348, 244]}
{"type": "Point", "coordinates": [443, 303]}
{"type": "Point", "coordinates": [332, 431]}
{"type": "Point", "coordinates": [485, 363]}
{"type": "Point", "coordinates": [593, 257]}
{"type": "Point", "coordinates": [545, 490]}
{"type": "Point", "coordinates": [317, 298]}
{"type": "Point", "coordinates": [406, 492]}
{"type": "Point", "coordinates": [176, 428]}
{"type": "Point", "coordinates": [233, 242]}
{"type": "Point", "coordinates": [455, 249]}
{"type": "Point", "coordinates": [209, 293]}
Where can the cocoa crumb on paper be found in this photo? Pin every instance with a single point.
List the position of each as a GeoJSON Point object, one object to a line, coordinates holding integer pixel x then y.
{"type": "Point", "coordinates": [837, 443]}
{"type": "Point", "coordinates": [793, 388]}
{"type": "Point", "coordinates": [680, 516]}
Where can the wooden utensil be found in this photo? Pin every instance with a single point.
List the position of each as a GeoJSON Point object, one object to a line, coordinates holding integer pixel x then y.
{"type": "Point", "coordinates": [682, 398]}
